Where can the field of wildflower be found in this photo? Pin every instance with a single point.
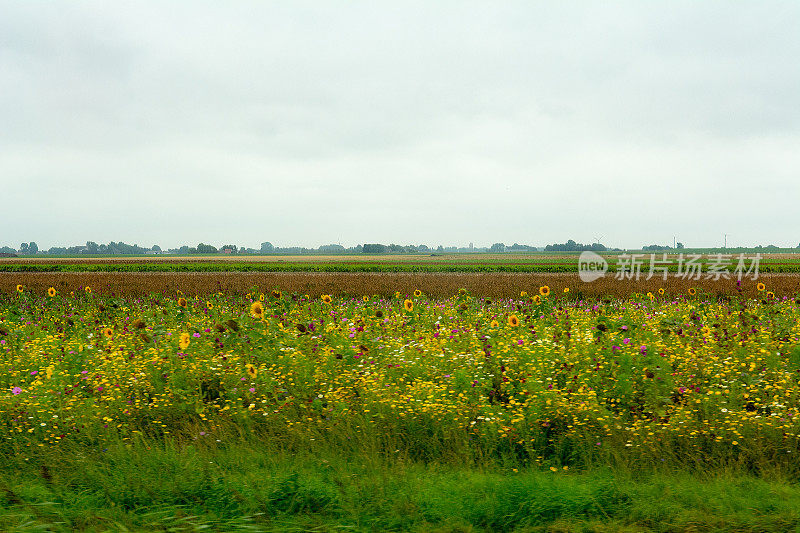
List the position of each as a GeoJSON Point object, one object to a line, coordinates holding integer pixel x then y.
{"type": "Point", "coordinates": [543, 387]}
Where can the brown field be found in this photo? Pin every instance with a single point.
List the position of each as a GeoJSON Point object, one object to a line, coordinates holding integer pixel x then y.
{"type": "Point", "coordinates": [491, 259]}
{"type": "Point", "coordinates": [433, 284]}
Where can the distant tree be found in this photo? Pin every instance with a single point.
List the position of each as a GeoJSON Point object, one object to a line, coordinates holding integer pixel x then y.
{"type": "Point", "coordinates": [231, 247]}
{"type": "Point", "coordinates": [440, 249]}
{"type": "Point", "coordinates": [266, 247]}
{"type": "Point", "coordinates": [205, 249]}
{"type": "Point", "coordinates": [23, 248]}
{"type": "Point", "coordinates": [679, 246]}
{"type": "Point", "coordinates": [331, 248]}
{"type": "Point", "coordinates": [423, 248]}
{"type": "Point", "coordinates": [572, 246]}
{"type": "Point", "coordinates": [497, 247]}
{"type": "Point", "coordinates": [183, 249]}
{"type": "Point", "coordinates": [156, 248]}
{"type": "Point", "coordinates": [374, 249]}
{"type": "Point", "coordinates": [7, 250]}
{"type": "Point", "coordinates": [91, 247]}
{"type": "Point", "coordinates": [33, 248]}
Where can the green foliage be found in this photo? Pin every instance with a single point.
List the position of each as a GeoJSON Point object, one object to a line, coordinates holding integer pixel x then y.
{"type": "Point", "coordinates": [250, 484]}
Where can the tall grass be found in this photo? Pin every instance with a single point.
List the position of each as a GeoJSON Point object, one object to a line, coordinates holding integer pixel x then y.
{"type": "Point", "coordinates": [248, 484]}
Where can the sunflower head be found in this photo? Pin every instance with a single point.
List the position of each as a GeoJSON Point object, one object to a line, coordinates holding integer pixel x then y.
{"type": "Point", "coordinates": [182, 302]}
{"type": "Point", "coordinates": [537, 299]}
{"type": "Point", "coordinates": [408, 305]}
{"type": "Point", "coordinates": [276, 294]}
{"type": "Point", "coordinates": [661, 291]}
{"type": "Point", "coordinates": [251, 370]}
{"type": "Point", "coordinates": [523, 294]}
{"type": "Point", "coordinates": [417, 293]}
{"type": "Point", "coordinates": [566, 290]}
{"type": "Point", "coordinates": [365, 298]}
{"type": "Point", "coordinates": [326, 298]}
{"type": "Point", "coordinates": [257, 310]}
{"type": "Point", "coordinates": [494, 323]}
{"type": "Point", "coordinates": [692, 291]}
{"type": "Point", "coordinates": [261, 297]}
{"type": "Point", "coordinates": [650, 295]}
{"type": "Point", "coordinates": [513, 321]}
{"type": "Point", "coordinates": [184, 341]}
{"type": "Point", "coordinates": [544, 290]}
{"type": "Point", "coordinates": [761, 287]}
{"type": "Point", "coordinates": [209, 305]}
{"type": "Point", "coordinates": [397, 294]}
{"type": "Point", "coordinates": [108, 333]}
{"type": "Point", "coordinates": [20, 288]}
{"type": "Point", "coordinates": [88, 290]}
{"type": "Point", "coordinates": [51, 292]}
{"type": "Point", "coordinates": [770, 294]}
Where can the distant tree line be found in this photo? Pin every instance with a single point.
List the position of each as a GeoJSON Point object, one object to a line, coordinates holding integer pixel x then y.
{"type": "Point", "coordinates": [659, 247]}
{"type": "Point", "coordinates": [572, 246]}
{"type": "Point", "coordinates": [121, 248]}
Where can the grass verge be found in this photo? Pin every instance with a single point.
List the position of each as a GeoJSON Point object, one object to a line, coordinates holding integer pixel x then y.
{"type": "Point", "coordinates": [248, 484]}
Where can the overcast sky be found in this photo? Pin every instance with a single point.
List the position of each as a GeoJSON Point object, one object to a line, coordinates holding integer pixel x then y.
{"type": "Point", "coordinates": [427, 122]}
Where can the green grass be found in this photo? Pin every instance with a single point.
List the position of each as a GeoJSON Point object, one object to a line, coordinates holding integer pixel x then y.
{"type": "Point", "coordinates": [248, 484]}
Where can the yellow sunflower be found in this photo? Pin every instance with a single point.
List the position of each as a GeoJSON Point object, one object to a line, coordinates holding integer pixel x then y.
{"type": "Point", "coordinates": [417, 293]}
{"type": "Point", "coordinates": [182, 302]}
{"type": "Point", "coordinates": [523, 294]}
{"type": "Point", "coordinates": [544, 290]}
{"type": "Point", "coordinates": [209, 305]}
{"type": "Point", "coordinates": [365, 298]}
{"type": "Point", "coordinates": [326, 298]}
{"type": "Point", "coordinates": [513, 321]}
{"type": "Point", "coordinates": [761, 287]}
{"type": "Point", "coordinates": [408, 305]}
{"type": "Point", "coordinates": [566, 290]}
{"type": "Point", "coordinates": [276, 294]}
{"type": "Point", "coordinates": [661, 291]}
{"type": "Point", "coordinates": [261, 297]}
{"type": "Point", "coordinates": [257, 310]}
{"type": "Point", "coordinates": [537, 299]}
{"type": "Point", "coordinates": [650, 295]}
{"type": "Point", "coordinates": [108, 333]}
{"type": "Point", "coordinates": [494, 323]}
{"type": "Point", "coordinates": [88, 290]}
{"type": "Point", "coordinates": [251, 370]}
{"type": "Point", "coordinates": [770, 294]}
{"type": "Point", "coordinates": [692, 291]}
{"type": "Point", "coordinates": [184, 341]}
{"type": "Point", "coordinates": [20, 288]}
{"type": "Point", "coordinates": [51, 292]}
